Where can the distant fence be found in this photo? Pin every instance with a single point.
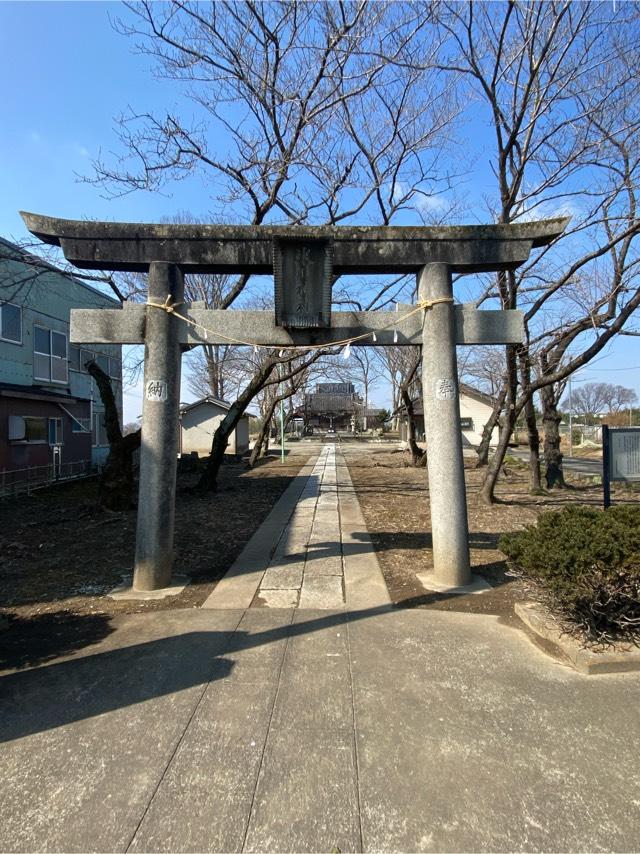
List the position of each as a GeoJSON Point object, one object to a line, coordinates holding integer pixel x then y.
{"type": "Point", "coordinates": [20, 481]}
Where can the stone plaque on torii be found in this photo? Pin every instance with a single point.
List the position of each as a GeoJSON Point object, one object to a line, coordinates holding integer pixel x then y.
{"type": "Point", "coordinates": [305, 261]}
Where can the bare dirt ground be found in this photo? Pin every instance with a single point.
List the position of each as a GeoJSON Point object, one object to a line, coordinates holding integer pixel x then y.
{"type": "Point", "coordinates": [395, 503]}
{"type": "Point", "coordinates": [59, 555]}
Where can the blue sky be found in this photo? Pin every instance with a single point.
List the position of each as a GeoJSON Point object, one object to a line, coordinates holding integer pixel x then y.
{"type": "Point", "coordinates": [66, 74]}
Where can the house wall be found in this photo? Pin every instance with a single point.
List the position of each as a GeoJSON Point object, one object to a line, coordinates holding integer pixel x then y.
{"type": "Point", "coordinates": [479, 412]}
{"type": "Point", "coordinates": [242, 436]}
{"type": "Point", "coordinates": [46, 298]}
{"type": "Point", "coordinates": [20, 454]}
{"type": "Point", "coordinates": [200, 423]}
{"type": "Point", "coordinates": [476, 410]}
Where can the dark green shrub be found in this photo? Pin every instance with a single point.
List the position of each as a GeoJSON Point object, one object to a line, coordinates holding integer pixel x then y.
{"type": "Point", "coordinates": [586, 564]}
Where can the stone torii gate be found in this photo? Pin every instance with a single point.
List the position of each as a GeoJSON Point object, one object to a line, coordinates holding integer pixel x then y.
{"type": "Point", "coordinates": [305, 261]}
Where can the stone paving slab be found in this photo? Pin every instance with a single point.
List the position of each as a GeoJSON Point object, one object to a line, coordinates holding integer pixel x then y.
{"type": "Point", "coordinates": [314, 539]}
{"type": "Point", "coordinates": [282, 577]}
{"type": "Point", "coordinates": [492, 742]}
{"type": "Point", "coordinates": [86, 739]}
{"type": "Point", "coordinates": [327, 564]}
{"type": "Point", "coordinates": [306, 798]}
{"type": "Point", "coordinates": [322, 591]}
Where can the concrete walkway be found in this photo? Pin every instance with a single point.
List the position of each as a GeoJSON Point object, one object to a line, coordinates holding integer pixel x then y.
{"type": "Point", "coordinates": [362, 728]}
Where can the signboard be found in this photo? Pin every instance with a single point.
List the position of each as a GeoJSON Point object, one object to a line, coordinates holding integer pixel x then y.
{"type": "Point", "coordinates": [624, 453]}
{"type": "Point", "coordinates": [302, 273]}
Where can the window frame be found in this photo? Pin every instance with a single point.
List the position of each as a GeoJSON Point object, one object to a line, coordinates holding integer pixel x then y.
{"type": "Point", "coordinates": [59, 433]}
{"type": "Point", "coordinates": [11, 340]}
{"type": "Point", "coordinates": [76, 348]}
{"type": "Point", "coordinates": [117, 376]}
{"type": "Point", "coordinates": [25, 440]}
{"type": "Point", "coordinates": [50, 355]}
{"type": "Point", "coordinates": [81, 426]}
{"type": "Point", "coordinates": [98, 426]}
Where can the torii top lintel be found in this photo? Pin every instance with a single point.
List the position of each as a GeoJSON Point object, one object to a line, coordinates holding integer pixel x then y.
{"type": "Point", "coordinates": [249, 248]}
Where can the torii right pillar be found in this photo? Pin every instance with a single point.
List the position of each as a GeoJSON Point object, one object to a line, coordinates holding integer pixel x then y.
{"type": "Point", "coordinates": [441, 407]}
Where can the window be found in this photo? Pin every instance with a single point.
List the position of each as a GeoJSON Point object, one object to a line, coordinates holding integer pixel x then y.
{"type": "Point", "coordinates": [55, 431]}
{"type": "Point", "coordinates": [466, 423]}
{"type": "Point", "coordinates": [81, 425]}
{"type": "Point", "coordinates": [49, 355]}
{"type": "Point", "coordinates": [103, 363]}
{"type": "Point", "coordinates": [115, 368]}
{"type": "Point", "coordinates": [74, 358]}
{"type": "Point", "coordinates": [11, 323]}
{"type": "Point", "coordinates": [98, 431]}
{"type": "Point", "coordinates": [86, 356]}
{"type": "Point", "coordinates": [27, 429]}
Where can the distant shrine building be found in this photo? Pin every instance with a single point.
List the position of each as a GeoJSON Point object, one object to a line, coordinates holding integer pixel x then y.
{"type": "Point", "coordinates": [339, 407]}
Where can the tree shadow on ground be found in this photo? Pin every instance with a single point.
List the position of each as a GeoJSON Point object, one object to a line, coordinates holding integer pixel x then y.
{"type": "Point", "coordinates": [42, 638]}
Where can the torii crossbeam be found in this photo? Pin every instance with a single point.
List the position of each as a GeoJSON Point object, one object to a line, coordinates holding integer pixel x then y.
{"type": "Point", "coordinates": [305, 261]}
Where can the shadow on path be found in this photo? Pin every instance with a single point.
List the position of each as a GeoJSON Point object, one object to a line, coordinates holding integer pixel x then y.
{"type": "Point", "coordinates": [62, 693]}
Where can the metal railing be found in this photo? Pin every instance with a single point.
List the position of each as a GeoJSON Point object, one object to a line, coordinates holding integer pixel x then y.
{"type": "Point", "coordinates": [15, 482]}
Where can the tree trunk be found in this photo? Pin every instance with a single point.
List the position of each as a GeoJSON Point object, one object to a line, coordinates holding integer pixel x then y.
{"type": "Point", "coordinates": [487, 430]}
{"type": "Point", "coordinates": [209, 479]}
{"type": "Point", "coordinates": [116, 482]}
{"type": "Point", "coordinates": [535, 485]}
{"type": "Point", "coordinates": [418, 456]}
{"type": "Point", "coordinates": [506, 428]}
{"type": "Point", "coordinates": [262, 442]}
{"type": "Point", "coordinates": [551, 419]}
{"type": "Point", "coordinates": [493, 467]}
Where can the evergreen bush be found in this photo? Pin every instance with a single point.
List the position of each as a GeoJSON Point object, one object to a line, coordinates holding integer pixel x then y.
{"type": "Point", "coordinates": [586, 565]}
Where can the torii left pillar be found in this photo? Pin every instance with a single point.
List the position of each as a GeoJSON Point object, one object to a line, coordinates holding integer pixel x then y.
{"type": "Point", "coordinates": [160, 432]}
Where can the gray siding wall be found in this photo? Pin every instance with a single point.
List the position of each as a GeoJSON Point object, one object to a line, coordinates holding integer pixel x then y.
{"type": "Point", "coordinates": [46, 298]}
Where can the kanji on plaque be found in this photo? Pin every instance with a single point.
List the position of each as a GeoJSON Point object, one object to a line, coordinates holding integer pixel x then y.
{"type": "Point", "coordinates": [157, 390]}
{"type": "Point", "coordinates": [445, 389]}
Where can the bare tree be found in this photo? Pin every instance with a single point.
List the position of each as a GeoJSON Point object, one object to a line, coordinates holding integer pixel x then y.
{"type": "Point", "coordinates": [557, 82]}
{"type": "Point", "coordinates": [591, 398]}
{"type": "Point", "coordinates": [597, 398]}
{"type": "Point", "coordinates": [619, 398]}
{"type": "Point", "coordinates": [306, 112]}
{"type": "Point", "coordinates": [116, 480]}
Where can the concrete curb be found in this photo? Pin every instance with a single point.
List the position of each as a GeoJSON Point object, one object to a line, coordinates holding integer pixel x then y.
{"type": "Point", "coordinates": [622, 660]}
{"type": "Point", "coordinates": [238, 587]}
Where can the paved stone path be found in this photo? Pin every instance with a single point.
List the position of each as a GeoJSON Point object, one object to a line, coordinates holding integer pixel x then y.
{"type": "Point", "coordinates": [312, 551]}
{"type": "Point", "coordinates": [306, 568]}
